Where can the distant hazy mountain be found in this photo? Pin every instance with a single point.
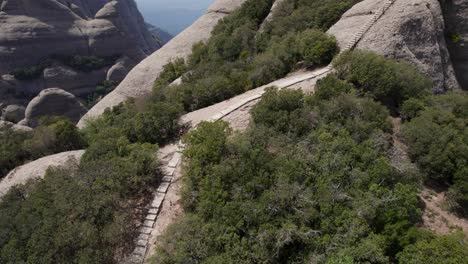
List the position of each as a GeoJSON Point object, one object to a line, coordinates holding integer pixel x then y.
{"type": "Point", "coordinates": [174, 20]}
{"type": "Point", "coordinates": [172, 15]}
{"type": "Point", "coordinates": [159, 33]}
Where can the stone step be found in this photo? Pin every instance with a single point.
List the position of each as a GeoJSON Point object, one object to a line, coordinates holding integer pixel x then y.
{"type": "Point", "coordinates": [167, 171]}
{"type": "Point", "coordinates": [151, 217]}
{"type": "Point", "coordinates": [141, 251]}
{"type": "Point", "coordinates": [142, 243]}
{"type": "Point", "coordinates": [143, 237]}
{"type": "Point", "coordinates": [135, 259]}
{"type": "Point", "coordinates": [175, 160]}
{"type": "Point", "coordinates": [167, 179]}
{"type": "Point", "coordinates": [157, 200]}
{"type": "Point", "coordinates": [163, 187]}
{"type": "Point", "coordinates": [148, 223]}
{"type": "Point", "coordinates": [146, 230]}
{"type": "Point", "coordinates": [153, 211]}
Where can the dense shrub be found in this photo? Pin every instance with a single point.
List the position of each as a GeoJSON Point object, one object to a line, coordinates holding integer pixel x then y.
{"type": "Point", "coordinates": [12, 152]}
{"type": "Point", "coordinates": [54, 135]}
{"type": "Point", "coordinates": [316, 48]}
{"type": "Point", "coordinates": [238, 58]}
{"type": "Point", "coordinates": [450, 249]}
{"type": "Point", "coordinates": [387, 81]}
{"type": "Point", "coordinates": [298, 186]}
{"type": "Point", "coordinates": [31, 72]}
{"type": "Point", "coordinates": [81, 213]}
{"type": "Point", "coordinates": [87, 63]}
{"type": "Point", "coordinates": [437, 138]}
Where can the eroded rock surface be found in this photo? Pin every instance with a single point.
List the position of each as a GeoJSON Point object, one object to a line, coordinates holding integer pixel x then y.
{"type": "Point", "coordinates": [37, 169]}
{"type": "Point", "coordinates": [411, 30]}
{"type": "Point", "coordinates": [43, 32]}
{"type": "Point", "coordinates": [456, 18]}
{"type": "Point", "coordinates": [53, 102]}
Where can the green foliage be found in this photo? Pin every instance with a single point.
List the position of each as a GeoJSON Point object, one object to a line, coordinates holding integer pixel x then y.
{"type": "Point", "coordinates": [238, 58]}
{"type": "Point", "coordinates": [308, 182]}
{"type": "Point", "coordinates": [31, 72]}
{"type": "Point", "coordinates": [437, 137]}
{"type": "Point", "coordinates": [299, 15]}
{"type": "Point", "coordinates": [12, 153]}
{"type": "Point", "coordinates": [316, 48]}
{"type": "Point", "coordinates": [54, 135]}
{"type": "Point", "coordinates": [78, 214]}
{"type": "Point", "coordinates": [87, 63]}
{"type": "Point", "coordinates": [101, 90]}
{"type": "Point", "coordinates": [447, 249]}
{"type": "Point", "coordinates": [387, 81]}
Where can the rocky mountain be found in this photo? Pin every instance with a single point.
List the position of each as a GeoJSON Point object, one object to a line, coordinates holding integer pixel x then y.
{"type": "Point", "coordinates": [160, 34]}
{"type": "Point", "coordinates": [412, 31]}
{"type": "Point", "coordinates": [74, 45]}
{"type": "Point", "coordinates": [456, 14]}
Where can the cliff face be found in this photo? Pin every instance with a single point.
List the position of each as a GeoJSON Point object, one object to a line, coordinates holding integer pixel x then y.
{"type": "Point", "coordinates": [456, 19]}
{"type": "Point", "coordinates": [411, 30]}
{"type": "Point", "coordinates": [34, 31]}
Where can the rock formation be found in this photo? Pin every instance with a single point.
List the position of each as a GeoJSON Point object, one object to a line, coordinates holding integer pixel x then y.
{"type": "Point", "coordinates": [141, 79]}
{"type": "Point", "coordinates": [456, 19]}
{"type": "Point", "coordinates": [411, 30]}
{"type": "Point", "coordinates": [162, 36]}
{"type": "Point", "coordinates": [37, 169]}
{"type": "Point", "coordinates": [53, 102]}
{"type": "Point", "coordinates": [13, 113]}
{"type": "Point", "coordinates": [39, 34]}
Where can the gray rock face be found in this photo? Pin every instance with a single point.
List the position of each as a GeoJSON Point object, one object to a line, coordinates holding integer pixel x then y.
{"type": "Point", "coordinates": [33, 31]}
{"type": "Point", "coordinates": [119, 70]}
{"type": "Point", "coordinates": [140, 80]}
{"type": "Point", "coordinates": [411, 30]}
{"type": "Point", "coordinates": [456, 17]}
{"type": "Point", "coordinates": [53, 102]}
{"type": "Point", "coordinates": [13, 113]}
{"type": "Point", "coordinates": [38, 168]}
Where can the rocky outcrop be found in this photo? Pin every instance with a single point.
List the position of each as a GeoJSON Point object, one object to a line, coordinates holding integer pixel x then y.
{"type": "Point", "coordinates": [37, 169]}
{"type": "Point", "coordinates": [141, 79]}
{"type": "Point", "coordinates": [33, 32]}
{"type": "Point", "coordinates": [53, 102]}
{"type": "Point", "coordinates": [13, 113]}
{"type": "Point", "coordinates": [162, 36]}
{"type": "Point", "coordinates": [16, 127]}
{"type": "Point", "coordinates": [456, 20]}
{"type": "Point", "coordinates": [411, 30]}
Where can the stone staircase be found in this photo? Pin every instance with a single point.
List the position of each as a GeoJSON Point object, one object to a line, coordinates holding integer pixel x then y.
{"type": "Point", "coordinates": [139, 253]}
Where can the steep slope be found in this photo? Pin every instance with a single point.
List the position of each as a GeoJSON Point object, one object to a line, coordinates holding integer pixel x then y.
{"type": "Point", "coordinates": [456, 19]}
{"type": "Point", "coordinates": [411, 30]}
{"type": "Point", "coordinates": [38, 39]}
{"type": "Point", "coordinates": [161, 35]}
{"type": "Point", "coordinates": [141, 79]}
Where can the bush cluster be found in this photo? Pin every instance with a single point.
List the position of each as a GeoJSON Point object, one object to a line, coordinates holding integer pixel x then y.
{"type": "Point", "coordinates": [308, 181]}
{"type": "Point", "coordinates": [54, 135]}
{"type": "Point", "coordinates": [31, 72]}
{"type": "Point", "coordinates": [436, 133]}
{"type": "Point", "coordinates": [237, 58]}
{"type": "Point", "coordinates": [386, 81]}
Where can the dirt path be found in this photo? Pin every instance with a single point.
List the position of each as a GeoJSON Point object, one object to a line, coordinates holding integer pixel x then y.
{"type": "Point", "coordinates": [435, 218]}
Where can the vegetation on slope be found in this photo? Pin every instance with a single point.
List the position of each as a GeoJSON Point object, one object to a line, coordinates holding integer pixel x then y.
{"type": "Point", "coordinates": [309, 181]}
{"type": "Point", "coordinates": [436, 132]}
{"type": "Point", "coordinates": [54, 135]}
